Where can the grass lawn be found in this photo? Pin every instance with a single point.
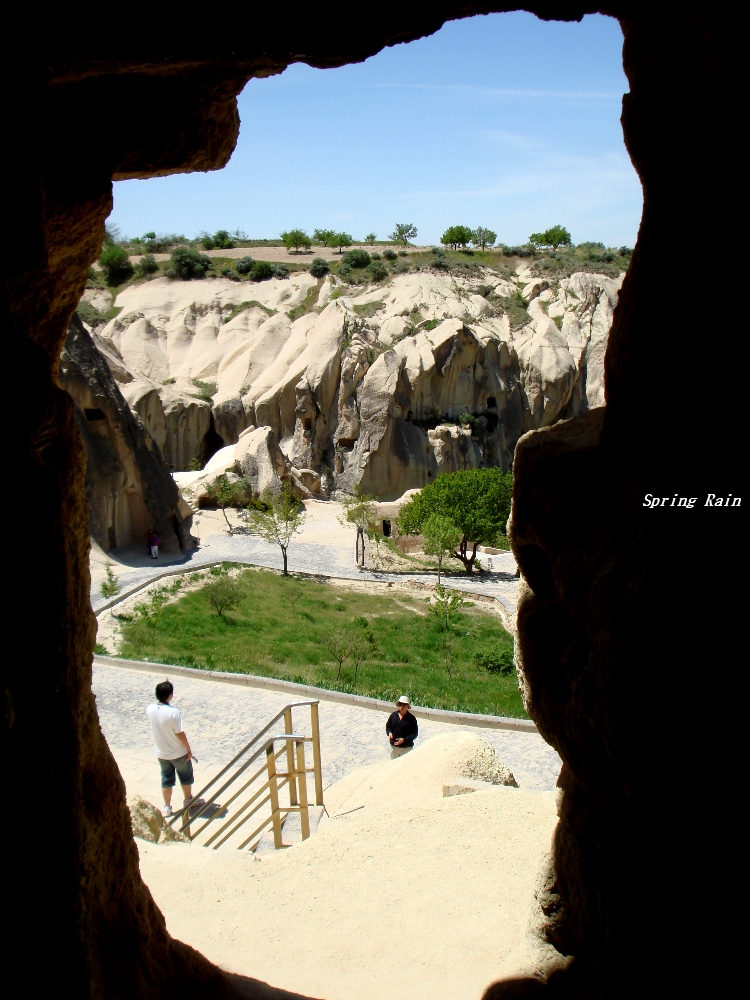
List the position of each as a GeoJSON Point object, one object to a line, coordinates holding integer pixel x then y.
{"type": "Point", "coordinates": [278, 631]}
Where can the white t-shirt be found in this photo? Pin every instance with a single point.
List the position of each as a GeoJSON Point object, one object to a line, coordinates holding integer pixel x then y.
{"type": "Point", "coordinates": [165, 722]}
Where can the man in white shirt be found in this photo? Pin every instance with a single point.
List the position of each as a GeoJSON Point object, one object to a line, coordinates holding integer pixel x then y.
{"type": "Point", "coordinates": [171, 745]}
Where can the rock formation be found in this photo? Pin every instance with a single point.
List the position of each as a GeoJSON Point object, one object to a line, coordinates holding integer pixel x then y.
{"type": "Point", "coordinates": [128, 487]}
{"type": "Point", "coordinates": [615, 687]}
{"type": "Point", "coordinates": [371, 402]}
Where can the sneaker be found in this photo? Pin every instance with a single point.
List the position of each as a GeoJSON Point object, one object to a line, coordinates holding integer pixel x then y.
{"type": "Point", "coordinates": [167, 811]}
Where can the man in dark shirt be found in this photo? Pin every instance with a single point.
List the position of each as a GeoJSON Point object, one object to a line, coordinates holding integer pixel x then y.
{"type": "Point", "coordinates": [402, 728]}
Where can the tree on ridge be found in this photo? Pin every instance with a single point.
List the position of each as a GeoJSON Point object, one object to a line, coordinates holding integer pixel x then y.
{"type": "Point", "coordinates": [483, 238]}
{"type": "Point", "coordinates": [403, 232]}
{"type": "Point", "coordinates": [457, 236]}
{"type": "Point", "coordinates": [557, 236]}
{"type": "Point", "coordinates": [296, 239]}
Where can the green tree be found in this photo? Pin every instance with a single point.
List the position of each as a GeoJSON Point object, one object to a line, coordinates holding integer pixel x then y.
{"type": "Point", "coordinates": [446, 606]}
{"type": "Point", "coordinates": [115, 263]}
{"type": "Point", "coordinates": [224, 595]}
{"type": "Point", "coordinates": [278, 524]}
{"type": "Point", "coordinates": [296, 239]}
{"type": "Point", "coordinates": [324, 236]}
{"type": "Point", "coordinates": [338, 642]}
{"type": "Point", "coordinates": [477, 500]}
{"type": "Point", "coordinates": [370, 238]}
{"type": "Point", "coordinates": [456, 236]}
{"type": "Point", "coordinates": [483, 238]}
{"type": "Point", "coordinates": [359, 510]}
{"type": "Point", "coordinates": [403, 232]}
{"type": "Point", "coordinates": [226, 493]}
{"type": "Point", "coordinates": [341, 240]}
{"type": "Point", "coordinates": [557, 236]}
{"type": "Point", "coordinates": [441, 538]}
{"type": "Point", "coordinates": [363, 643]}
{"type": "Point", "coordinates": [110, 584]}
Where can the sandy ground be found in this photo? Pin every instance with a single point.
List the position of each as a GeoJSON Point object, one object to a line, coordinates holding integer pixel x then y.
{"type": "Point", "coordinates": [282, 254]}
{"type": "Point", "coordinates": [433, 892]}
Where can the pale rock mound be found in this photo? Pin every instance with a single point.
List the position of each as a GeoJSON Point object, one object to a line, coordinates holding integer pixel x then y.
{"type": "Point", "coordinates": [365, 389]}
{"type": "Point", "coordinates": [149, 824]}
{"type": "Point", "coordinates": [439, 892]}
{"type": "Point", "coordinates": [417, 778]}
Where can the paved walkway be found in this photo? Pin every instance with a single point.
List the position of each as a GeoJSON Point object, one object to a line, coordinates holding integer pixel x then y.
{"type": "Point", "coordinates": [221, 718]}
{"type": "Point", "coordinates": [324, 547]}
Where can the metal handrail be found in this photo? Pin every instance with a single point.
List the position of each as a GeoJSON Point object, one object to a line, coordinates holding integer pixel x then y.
{"type": "Point", "coordinates": [295, 778]}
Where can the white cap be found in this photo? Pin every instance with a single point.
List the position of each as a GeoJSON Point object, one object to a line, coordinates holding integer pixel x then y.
{"type": "Point", "coordinates": [403, 700]}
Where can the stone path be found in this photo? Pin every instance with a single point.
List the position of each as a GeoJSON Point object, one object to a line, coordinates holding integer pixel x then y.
{"type": "Point", "coordinates": [328, 560]}
{"type": "Point", "coordinates": [220, 719]}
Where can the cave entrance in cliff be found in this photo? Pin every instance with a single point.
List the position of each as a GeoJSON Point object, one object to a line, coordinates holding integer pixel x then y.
{"type": "Point", "coordinates": [217, 442]}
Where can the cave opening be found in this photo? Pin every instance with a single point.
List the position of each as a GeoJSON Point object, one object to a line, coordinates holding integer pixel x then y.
{"type": "Point", "coordinates": [577, 498]}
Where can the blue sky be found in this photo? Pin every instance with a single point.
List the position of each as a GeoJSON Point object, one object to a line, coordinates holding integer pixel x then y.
{"type": "Point", "coordinates": [503, 121]}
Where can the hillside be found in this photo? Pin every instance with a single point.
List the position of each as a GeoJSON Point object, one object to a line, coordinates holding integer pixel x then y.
{"type": "Point", "coordinates": [367, 382]}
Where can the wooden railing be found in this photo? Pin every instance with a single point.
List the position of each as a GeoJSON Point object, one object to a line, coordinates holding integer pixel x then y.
{"type": "Point", "coordinates": [245, 792]}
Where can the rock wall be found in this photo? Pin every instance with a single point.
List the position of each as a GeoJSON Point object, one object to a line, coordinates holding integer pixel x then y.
{"type": "Point", "coordinates": [128, 487]}
{"type": "Point", "coordinates": [645, 855]}
{"type": "Point", "coordinates": [367, 401]}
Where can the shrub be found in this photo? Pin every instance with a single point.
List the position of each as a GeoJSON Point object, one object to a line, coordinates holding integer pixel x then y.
{"type": "Point", "coordinates": [389, 254]}
{"type": "Point", "coordinates": [116, 265]}
{"type": "Point", "coordinates": [375, 256]}
{"type": "Point", "coordinates": [356, 258]}
{"type": "Point", "coordinates": [280, 270]}
{"type": "Point", "coordinates": [206, 390]}
{"type": "Point", "coordinates": [319, 268]}
{"type": "Point", "coordinates": [345, 270]}
{"type": "Point", "coordinates": [146, 265]}
{"type": "Point", "coordinates": [403, 253]}
{"type": "Point", "coordinates": [185, 264]}
{"type": "Point", "coordinates": [467, 420]}
{"type": "Point", "coordinates": [377, 271]}
{"type": "Point", "coordinates": [224, 595]}
{"type": "Point", "coordinates": [261, 271]}
{"type": "Point", "coordinates": [229, 272]}
{"type": "Point", "coordinates": [221, 240]}
{"type": "Point", "coordinates": [244, 265]}
{"type": "Point", "coordinates": [495, 661]}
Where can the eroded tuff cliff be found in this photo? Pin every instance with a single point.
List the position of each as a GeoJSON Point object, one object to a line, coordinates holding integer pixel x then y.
{"type": "Point", "coordinates": [368, 385]}
{"type": "Point", "coordinates": [128, 486]}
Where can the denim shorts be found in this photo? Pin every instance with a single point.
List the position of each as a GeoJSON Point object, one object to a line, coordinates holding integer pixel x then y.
{"type": "Point", "coordinates": [181, 765]}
